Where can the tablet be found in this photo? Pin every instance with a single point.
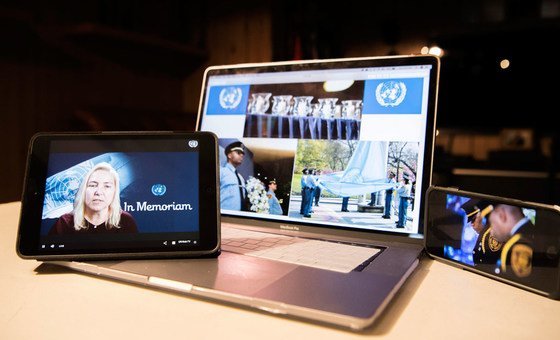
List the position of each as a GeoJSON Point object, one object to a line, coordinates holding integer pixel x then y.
{"type": "Point", "coordinates": [120, 195]}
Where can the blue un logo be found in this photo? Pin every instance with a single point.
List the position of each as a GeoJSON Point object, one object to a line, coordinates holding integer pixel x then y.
{"type": "Point", "coordinates": [230, 97]}
{"type": "Point", "coordinates": [393, 96]}
{"type": "Point", "coordinates": [228, 100]}
{"type": "Point", "coordinates": [390, 93]}
{"type": "Point", "coordinates": [159, 189]}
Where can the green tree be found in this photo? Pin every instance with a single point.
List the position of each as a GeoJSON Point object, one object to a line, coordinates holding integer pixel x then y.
{"type": "Point", "coordinates": [310, 154]}
{"type": "Point", "coordinates": [335, 155]}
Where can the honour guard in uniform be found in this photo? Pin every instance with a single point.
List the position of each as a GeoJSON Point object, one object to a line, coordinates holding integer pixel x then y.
{"type": "Point", "coordinates": [517, 232]}
{"type": "Point", "coordinates": [274, 204]}
{"type": "Point", "coordinates": [233, 195]}
{"type": "Point", "coordinates": [487, 248]}
{"type": "Point", "coordinates": [303, 183]}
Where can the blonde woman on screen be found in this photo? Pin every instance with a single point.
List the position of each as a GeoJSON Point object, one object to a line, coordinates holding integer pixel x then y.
{"type": "Point", "coordinates": [97, 206]}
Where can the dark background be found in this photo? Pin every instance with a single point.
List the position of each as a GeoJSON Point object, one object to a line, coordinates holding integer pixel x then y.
{"type": "Point", "coordinates": [137, 65]}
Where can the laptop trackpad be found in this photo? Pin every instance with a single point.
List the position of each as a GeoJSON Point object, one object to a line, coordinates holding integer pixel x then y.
{"type": "Point", "coordinates": [229, 272]}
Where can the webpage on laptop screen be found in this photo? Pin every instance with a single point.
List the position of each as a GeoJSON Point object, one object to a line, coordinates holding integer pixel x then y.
{"type": "Point", "coordinates": [341, 148]}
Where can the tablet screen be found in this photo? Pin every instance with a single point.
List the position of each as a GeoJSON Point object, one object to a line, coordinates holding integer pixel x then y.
{"type": "Point", "coordinates": [106, 195]}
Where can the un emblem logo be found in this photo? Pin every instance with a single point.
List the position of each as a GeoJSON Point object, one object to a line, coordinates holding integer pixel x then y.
{"type": "Point", "coordinates": [159, 189]}
{"type": "Point", "coordinates": [230, 97]}
{"type": "Point", "coordinates": [390, 93]}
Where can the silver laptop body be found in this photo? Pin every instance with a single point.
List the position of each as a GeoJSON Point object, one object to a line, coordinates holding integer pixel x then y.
{"type": "Point", "coordinates": [365, 109]}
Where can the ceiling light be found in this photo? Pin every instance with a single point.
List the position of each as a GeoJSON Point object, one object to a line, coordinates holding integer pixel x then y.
{"type": "Point", "coordinates": [435, 50]}
{"type": "Point", "coordinates": [504, 64]}
{"type": "Point", "coordinates": [337, 85]}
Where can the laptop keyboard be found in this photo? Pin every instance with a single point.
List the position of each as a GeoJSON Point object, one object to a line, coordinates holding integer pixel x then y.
{"type": "Point", "coordinates": [335, 256]}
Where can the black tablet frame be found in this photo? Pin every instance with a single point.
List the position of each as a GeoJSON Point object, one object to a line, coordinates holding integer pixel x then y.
{"type": "Point", "coordinates": [28, 237]}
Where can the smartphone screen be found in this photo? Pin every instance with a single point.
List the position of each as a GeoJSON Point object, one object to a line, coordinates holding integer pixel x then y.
{"type": "Point", "coordinates": [507, 239]}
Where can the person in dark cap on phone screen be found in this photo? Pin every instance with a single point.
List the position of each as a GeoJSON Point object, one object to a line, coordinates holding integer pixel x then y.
{"type": "Point", "coordinates": [487, 247]}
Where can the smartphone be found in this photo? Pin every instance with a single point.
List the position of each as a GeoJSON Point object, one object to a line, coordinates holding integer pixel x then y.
{"type": "Point", "coordinates": [120, 195]}
{"type": "Point", "coordinates": [509, 240]}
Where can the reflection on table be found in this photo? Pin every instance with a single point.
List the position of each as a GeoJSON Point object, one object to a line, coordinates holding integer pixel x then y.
{"type": "Point", "coordinates": [302, 127]}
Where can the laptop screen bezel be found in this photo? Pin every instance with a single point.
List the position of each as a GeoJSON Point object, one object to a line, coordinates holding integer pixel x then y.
{"type": "Point", "coordinates": [326, 64]}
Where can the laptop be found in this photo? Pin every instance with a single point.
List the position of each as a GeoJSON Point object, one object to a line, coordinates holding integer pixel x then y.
{"type": "Point", "coordinates": [323, 169]}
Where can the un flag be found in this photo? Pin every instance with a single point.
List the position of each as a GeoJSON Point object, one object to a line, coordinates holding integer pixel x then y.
{"type": "Point", "coordinates": [227, 100]}
{"type": "Point", "coordinates": [393, 96]}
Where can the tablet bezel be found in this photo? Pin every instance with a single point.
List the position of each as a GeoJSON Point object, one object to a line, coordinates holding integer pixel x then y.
{"type": "Point", "coordinates": [28, 238]}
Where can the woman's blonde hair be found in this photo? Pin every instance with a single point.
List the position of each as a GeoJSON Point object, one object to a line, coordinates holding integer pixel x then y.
{"type": "Point", "coordinates": [114, 208]}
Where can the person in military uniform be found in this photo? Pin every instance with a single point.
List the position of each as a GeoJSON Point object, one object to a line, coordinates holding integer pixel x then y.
{"type": "Point", "coordinates": [233, 195]}
{"type": "Point", "coordinates": [487, 248]}
{"type": "Point", "coordinates": [317, 191]}
{"type": "Point", "coordinates": [517, 233]}
{"type": "Point", "coordinates": [388, 196]}
{"type": "Point", "coordinates": [404, 196]}
{"type": "Point", "coordinates": [304, 197]}
{"type": "Point", "coordinates": [273, 203]}
{"type": "Point", "coordinates": [310, 185]}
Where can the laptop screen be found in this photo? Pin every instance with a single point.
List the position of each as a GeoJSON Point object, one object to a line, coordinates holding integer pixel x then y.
{"type": "Point", "coordinates": [344, 144]}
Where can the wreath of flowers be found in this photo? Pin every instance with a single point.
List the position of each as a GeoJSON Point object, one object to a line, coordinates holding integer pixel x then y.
{"type": "Point", "coordinates": [257, 195]}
